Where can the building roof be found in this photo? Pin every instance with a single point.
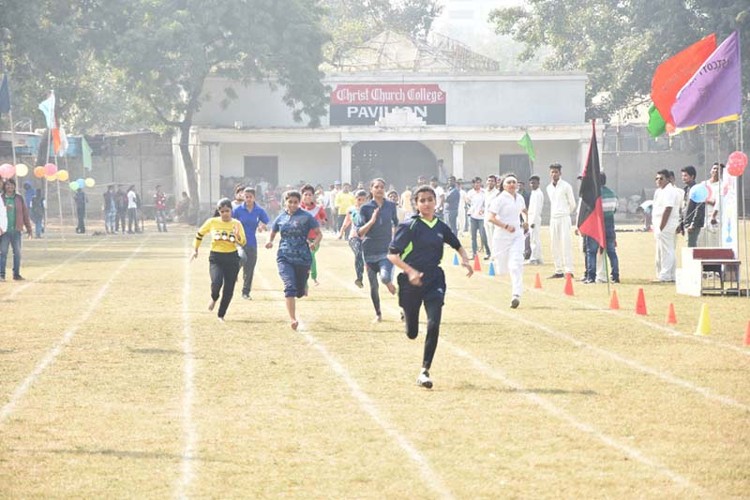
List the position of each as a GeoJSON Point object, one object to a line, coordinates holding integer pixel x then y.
{"type": "Point", "coordinates": [391, 51]}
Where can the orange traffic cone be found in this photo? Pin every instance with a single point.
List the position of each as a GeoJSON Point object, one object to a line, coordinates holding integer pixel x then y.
{"type": "Point", "coordinates": [568, 284]}
{"type": "Point", "coordinates": [671, 317]}
{"type": "Point", "coordinates": [477, 265]}
{"type": "Point", "coordinates": [640, 304]}
{"type": "Point", "coordinates": [614, 302]}
{"type": "Point", "coordinates": [538, 281]}
{"type": "Point", "coordinates": [747, 335]}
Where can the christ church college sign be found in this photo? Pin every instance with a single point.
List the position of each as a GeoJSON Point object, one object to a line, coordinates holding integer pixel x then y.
{"type": "Point", "coordinates": [357, 104]}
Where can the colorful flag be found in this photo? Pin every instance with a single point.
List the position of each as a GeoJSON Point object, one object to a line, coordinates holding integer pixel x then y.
{"type": "Point", "coordinates": [714, 93]}
{"type": "Point", "coordinates": [528, 146]}
{"type": "Point", "coordinates": [47, 107]}
{"type": "Point", "coordinates": [86, 154]}
{"type": "Point", "coordinates": [656, 124]}
{"type": "Point", "coordinates": [671, 75]}
{"type": "Point", "coordinates": [63, 141]}
{"type": "Point", "coordinates": [4, 96]}
{"type": "Point", "coordinates": [591, 213]}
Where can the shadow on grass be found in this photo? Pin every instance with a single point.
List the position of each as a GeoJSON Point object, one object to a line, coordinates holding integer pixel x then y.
{"type": "Point", "coordinates": [107, 452]}
{"type": "Point", "coordinates": [466, 386]}
{"type": "Point", "coordinates": [148, 350]}
{"type": "Point", "coordinates": [7, 351]}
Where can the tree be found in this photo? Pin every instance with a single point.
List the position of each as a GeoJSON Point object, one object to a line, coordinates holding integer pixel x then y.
{"type": "Point", "coordinates": [619, 43]}
{"type": "Point", "coordinates": [352, 22]}
{"type": "Point", "coordinates": [167, 48]}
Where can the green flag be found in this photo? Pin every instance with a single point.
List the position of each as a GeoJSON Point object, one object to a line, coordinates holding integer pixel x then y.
{"type": "Point", "coordinates": [526, 144]}
{"type": "Point", "coordinates": [656, 124]}
{"type": "Point", "coordinates": [86, 154]}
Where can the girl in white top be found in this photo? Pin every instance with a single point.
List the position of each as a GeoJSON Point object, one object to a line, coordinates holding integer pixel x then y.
{"type": "Point", "coordinates": [507, 211]}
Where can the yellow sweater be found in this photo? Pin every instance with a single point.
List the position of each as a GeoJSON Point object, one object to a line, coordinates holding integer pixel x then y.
{"type": "Point", "coordinates": [224, 235]}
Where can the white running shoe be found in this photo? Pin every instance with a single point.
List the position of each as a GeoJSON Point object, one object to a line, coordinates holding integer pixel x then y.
{"type": "Point", "coordinates": [424, 380]}
{"type": "Point", "coordinates": [515, 302]}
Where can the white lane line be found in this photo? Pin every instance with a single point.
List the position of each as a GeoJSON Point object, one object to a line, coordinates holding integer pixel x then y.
{"type": "Point", "coordinates": [42, 276]}
{"type": "Point", "coordinates": [430, 477]}
{"type": "Point", "coordinates": [561, 414]}
{"type": "Point", "coordinates": [631, 316]}
{"type": "Point", "coordinates": [635, 365]}
{"type": "Point", "coordinates": [189, 431]}
{"type": "Point", "coordinates": [24, 387]}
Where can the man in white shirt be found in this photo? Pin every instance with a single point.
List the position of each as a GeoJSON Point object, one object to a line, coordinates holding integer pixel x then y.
{"type": "Point", "coordinates": [439, 197]}
{"type": "Point", "coordinates": [475, 201]}
{"type": "Point", "coordinates": [562, 204]}
{"type": "Point", "coordinates": [666, 217]}
{"type": "Point", "coordinates": [490, 193]}
{"type": "Point", "coordinates": [536, 205]}
{"type": "Point", "coordinates": [712, 224]}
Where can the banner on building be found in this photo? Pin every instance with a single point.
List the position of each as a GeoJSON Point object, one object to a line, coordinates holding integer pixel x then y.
{"type": "Point", "coordinates": [365, 104]}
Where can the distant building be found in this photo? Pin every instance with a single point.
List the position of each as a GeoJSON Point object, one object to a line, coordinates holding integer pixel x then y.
{"type": "Point", "coordinates": [399, 108]}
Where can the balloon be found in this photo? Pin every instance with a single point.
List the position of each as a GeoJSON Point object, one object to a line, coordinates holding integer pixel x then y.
{"type": "Point", "coordinates": [38, 172]}
{"type": "Point", "coordinates": [51, 178]}
{"type": "Point", "coordinates": [738, 156]}
{"type": "Point", "coordinates": [63, 175]}
{"type": "Point", "coordinates": [81, 183]}
{"type": "Point", "coordinates": [699, 193]}
{"type": "Point", "coordinates": [735, 169]}
{"type": "Point", "coordinates": [90, 182]}
{"type": "Point", "coordinates": [74, 185]}
{"type": "Point", "coordinates": [5, 171]}
{"type": "Point", "coordinates": [22, 170]}
{"type": "Point", "coordinates": [50, 169]}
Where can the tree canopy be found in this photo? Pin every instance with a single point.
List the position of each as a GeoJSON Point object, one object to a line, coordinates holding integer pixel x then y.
{"type": "Point", "coordinates": [619, 43]}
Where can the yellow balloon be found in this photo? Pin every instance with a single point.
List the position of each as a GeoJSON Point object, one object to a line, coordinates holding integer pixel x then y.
{"type": "Point", "coordinates": [63, 175]}
{"type": "Point", "coordinates": [52, 178]}
{"type": "Point", "coordinates": [90, 182]}
{"type": "Point", "coordinates": [22, 170]}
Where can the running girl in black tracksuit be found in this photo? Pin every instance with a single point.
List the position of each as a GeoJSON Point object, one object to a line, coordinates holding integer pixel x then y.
{"type": "Point", "coordinates": [417, 249]}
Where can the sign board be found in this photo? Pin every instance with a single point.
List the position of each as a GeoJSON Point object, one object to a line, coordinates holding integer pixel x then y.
{"type": "Point", "coordinates": [365, 104]}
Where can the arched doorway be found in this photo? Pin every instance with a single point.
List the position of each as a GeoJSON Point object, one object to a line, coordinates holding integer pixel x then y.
{"type": "Point", "coordinates": [398, 162]}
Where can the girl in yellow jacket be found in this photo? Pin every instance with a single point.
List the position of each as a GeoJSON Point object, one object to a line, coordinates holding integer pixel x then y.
{"type": "Point", "coordinates": [224, 261]}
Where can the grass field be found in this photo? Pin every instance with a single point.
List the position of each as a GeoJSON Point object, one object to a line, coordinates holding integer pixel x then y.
{"type": "Point", "coordinates": [115, 381]}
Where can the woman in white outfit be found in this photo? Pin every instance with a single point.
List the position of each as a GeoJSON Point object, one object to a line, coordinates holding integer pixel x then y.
{"type": "Point", "coordinates": [507, 211]}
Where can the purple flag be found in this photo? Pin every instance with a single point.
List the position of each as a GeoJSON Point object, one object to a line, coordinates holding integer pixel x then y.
{"type": "Point", "coordinates": [714, 93]}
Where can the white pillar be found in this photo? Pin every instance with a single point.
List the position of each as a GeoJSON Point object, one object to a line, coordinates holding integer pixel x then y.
{"type": "Point", "coordinates": [458, 159]}
{"type": "Point", "coordinates": [346, 162]}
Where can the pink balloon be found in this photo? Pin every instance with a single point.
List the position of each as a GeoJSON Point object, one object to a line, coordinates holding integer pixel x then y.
{"type": "Point", "coordinates": [738, 157]}
{"type": "Point", "coordinates": [735, 169]}
{"type": "Point", "coordinates": [50, 169]}
{"type": "Point", "coordinates": [5, 170]}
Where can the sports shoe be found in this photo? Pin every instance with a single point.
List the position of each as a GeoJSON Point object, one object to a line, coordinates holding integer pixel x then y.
{"type": "Point", "coordinates": [211, 305]}
{"type": "Point", "coordinates": [19, 278]}
{"type": "Point", "coordinates": [557, 275]}
{"type": "Point", "coordinates": [246, 296]}
{"type": "Point", "coordinates": [424, 379]}
{"type": "Point", "coordinates": [221, 320]}
{"type": "Point", "coordinates": [359, 283]}
{"type": "Point", "coordinates": [515, 302]}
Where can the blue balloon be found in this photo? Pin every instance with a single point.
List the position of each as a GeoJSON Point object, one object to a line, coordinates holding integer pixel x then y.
{"type": "Point", "coordinates": [699, 193]}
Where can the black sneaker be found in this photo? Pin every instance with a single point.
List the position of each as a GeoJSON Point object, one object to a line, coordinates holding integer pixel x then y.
{"type": "Point", "coordinates": [19, 278]}
{"type": "Point", "coordinates": [515, 302]}
{"type": "Point", "coordinates": [557, 275]}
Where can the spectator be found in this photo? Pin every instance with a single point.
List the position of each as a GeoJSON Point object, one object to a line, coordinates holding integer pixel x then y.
{"type": "Point", "coordinates": [666, 218]}
{"type": "Point", "coordinates": [121, 200]}
{"type": "Point", "coordinates": [475, 201]}
{"type": "Point", "coordinates": [18, 218]}
{"type": "Point", "coordinates": [132, 209]}
{"type": "Point", "coordinates": [81, 200]}
{"type": "Point", "coordinates": [38, 204]}
{"type": "Point", "coordinates": [536, 205]}
{"type": "Point", "coordinates": [452, 199]}
{"type": "Point", "coordinates": [110, 210]}
{"type": "Point", "coordinates": [183, 207]}
{"type": "Point", "coordinates": [693, 214]}
{"type": "Point", "coordinates": [562, 204]}
{"type": "Point", "coordinates": [160, 205]}
{"type": "Point", "coordinates": [712, 225]}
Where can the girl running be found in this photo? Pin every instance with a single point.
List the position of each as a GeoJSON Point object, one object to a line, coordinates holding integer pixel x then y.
{"type": "Point", "coordinates": [224, 261]}
{"type": "Point", "coordinates": [319, 213]}
{"type": "Point", "coordinates": [378, 218]}
{"type": "Point", "coordinates": [417, 249]}
{"type": "Point", "coordinates": [355, 242]}
{"type": "Point", "coordinates": [294, 256]}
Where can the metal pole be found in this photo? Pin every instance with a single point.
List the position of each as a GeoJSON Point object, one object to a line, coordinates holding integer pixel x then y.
{"type": "Point", "coordinates": [140, 179]}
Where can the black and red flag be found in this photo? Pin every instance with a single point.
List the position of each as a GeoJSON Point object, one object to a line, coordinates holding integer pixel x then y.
{"type": "Point", "coordinates": [591, 213]}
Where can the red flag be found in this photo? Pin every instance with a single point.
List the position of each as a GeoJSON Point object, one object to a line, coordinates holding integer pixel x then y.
{"type": "Point", "coordinates": [56, 140]}
{"type": "Point", "coordinates": [671, 75]}
{"type": "Point", "coordinates": [591, 214]}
